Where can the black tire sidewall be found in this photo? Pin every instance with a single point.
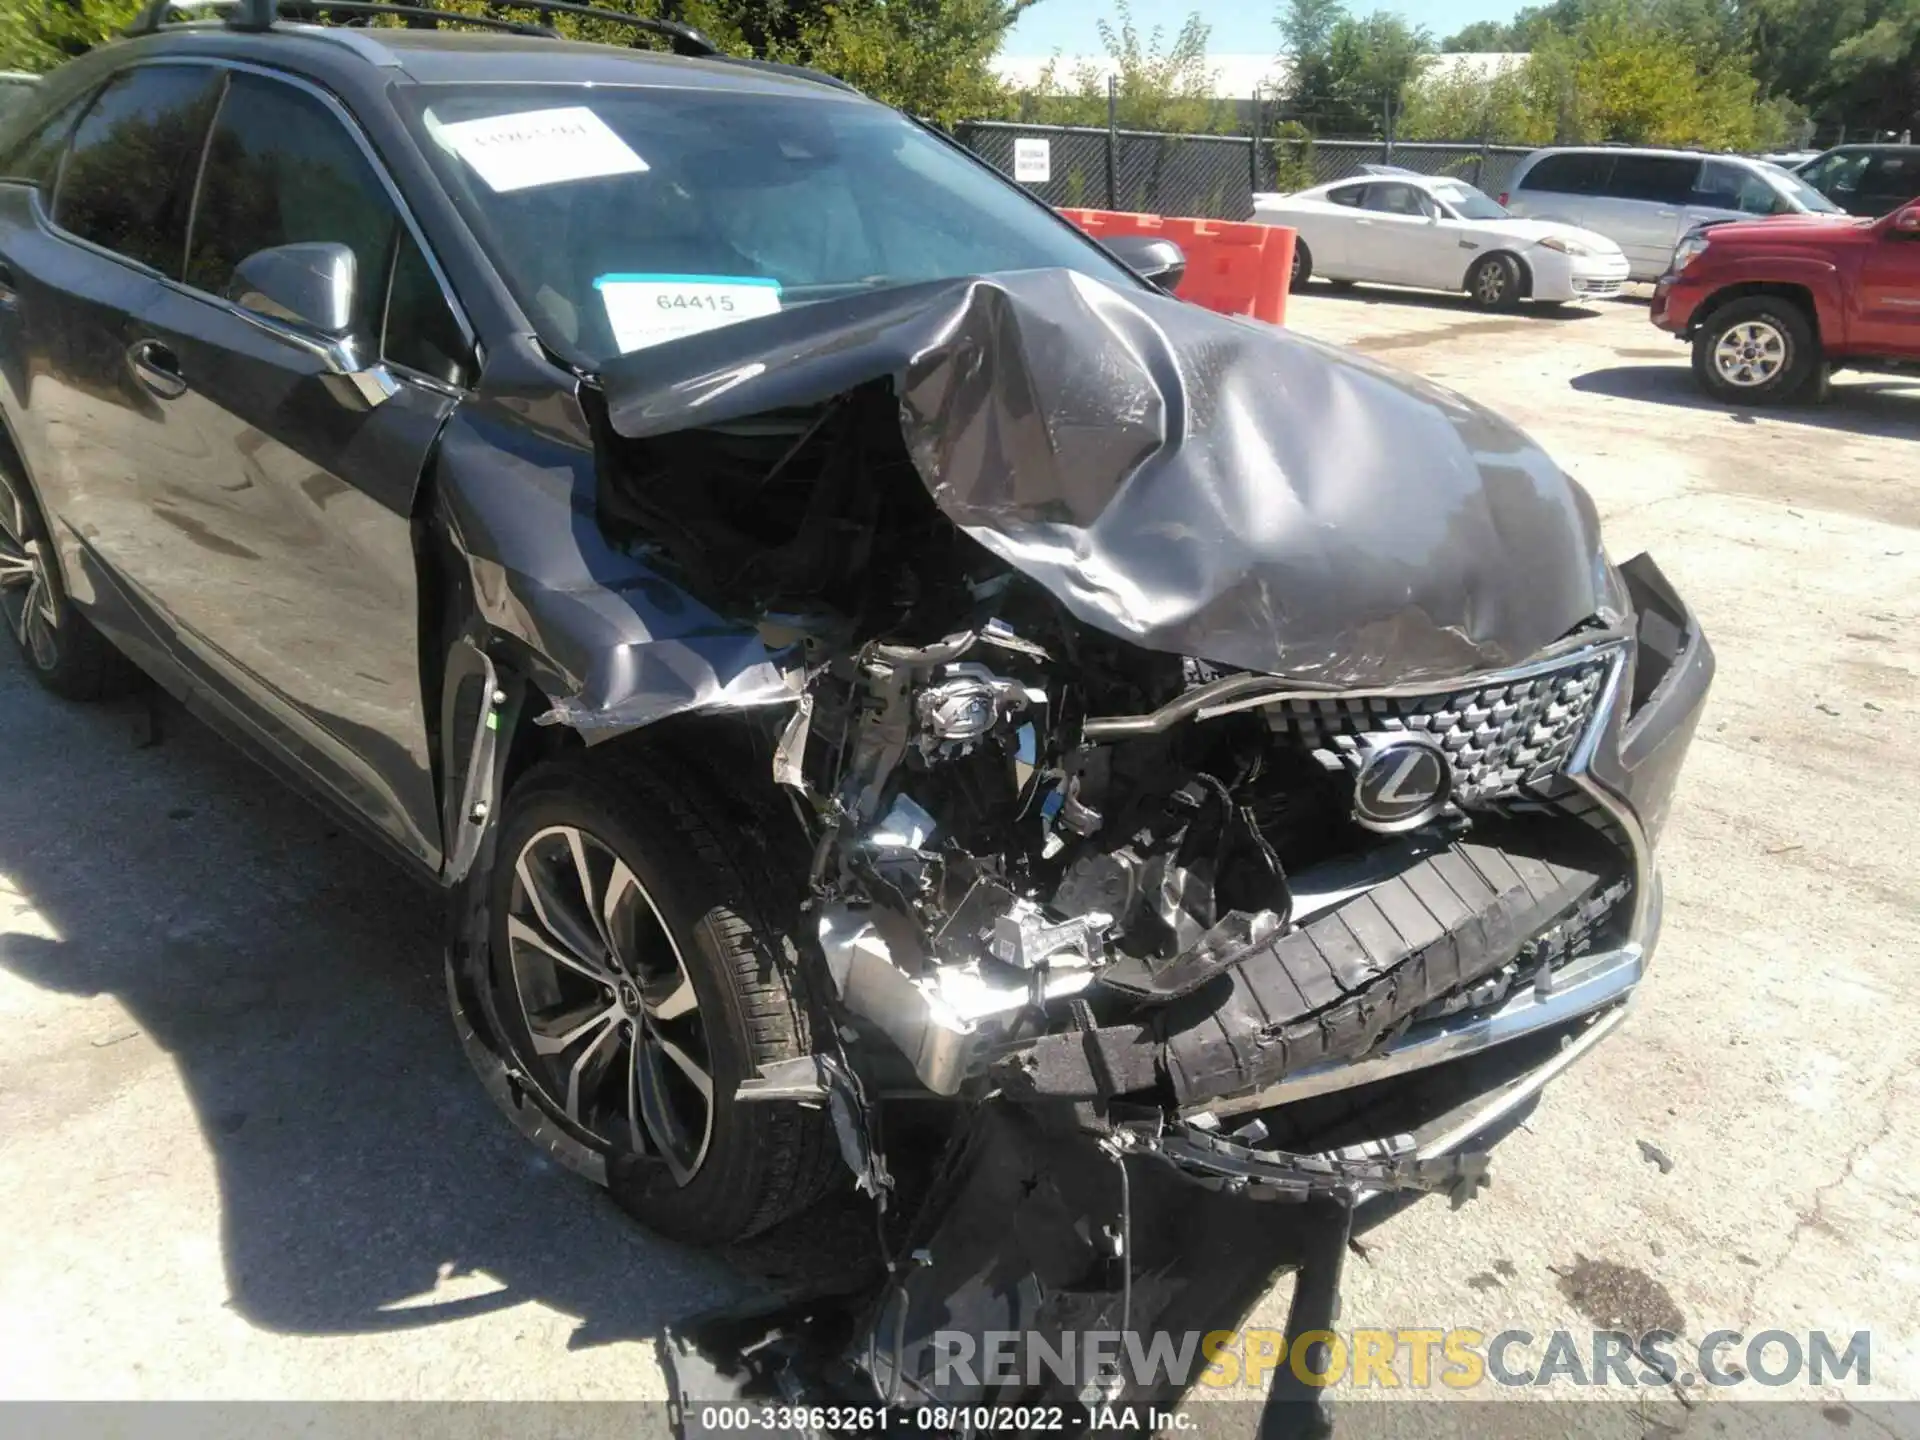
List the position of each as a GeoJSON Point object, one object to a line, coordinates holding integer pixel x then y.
{"type": "Point", "coordinates": [1783, 315]}
{"type": "Point", "coordinates": [1302, 264]}
{"type": "Point", "coordinates": [723, 1197]}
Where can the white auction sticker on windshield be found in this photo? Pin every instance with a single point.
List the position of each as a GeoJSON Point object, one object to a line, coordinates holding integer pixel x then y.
{"type": "Point", "coordinates": [541, 147]}
{"type": "Point", "coordinates": [652, 309]}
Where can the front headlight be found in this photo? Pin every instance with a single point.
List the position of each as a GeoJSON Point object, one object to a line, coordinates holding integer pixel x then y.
{"type": "Point", "coordinates": [1565, 245]}
{"type": "Point", "coordinates": [1688, 251]}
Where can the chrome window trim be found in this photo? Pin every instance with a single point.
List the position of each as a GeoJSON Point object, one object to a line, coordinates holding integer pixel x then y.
{"type": "Point", "coordinates": [339, 111]}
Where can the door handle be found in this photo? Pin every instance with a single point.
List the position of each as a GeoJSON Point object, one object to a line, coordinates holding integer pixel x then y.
{"type": "Point", "coordinates": [1667, 214]}
{"type": "Point", "coordinates": [157, 368]}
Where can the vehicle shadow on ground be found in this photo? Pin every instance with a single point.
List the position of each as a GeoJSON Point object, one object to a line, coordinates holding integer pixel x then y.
{"type": "Point", "coordinates": [1883, 407]}
{"type": "Point", "coordinates": [1439, 300]}
{"type": "Point", "coordinates": [293, 978]}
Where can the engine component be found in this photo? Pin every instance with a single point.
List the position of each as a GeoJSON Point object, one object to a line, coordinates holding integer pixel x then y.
{"type": "Point", "coordinates": [965, 706]}
{"type": "Point", "coordinates": [1026, 939]}
{"type": "Point", "coordinates": [943, 1018]}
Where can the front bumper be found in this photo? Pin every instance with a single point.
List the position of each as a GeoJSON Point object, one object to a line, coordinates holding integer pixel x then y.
{"type": "Point", "coordinates": [1577, 277]}
{"type": "Point", "coordinates": [1528, 925]}
{"type": "Point", "coordinates": [1599, 277]}
{"type": "Point", "coordinates": [1676, 297]}
{"type": "Point", "coordinates": [1627, 766]}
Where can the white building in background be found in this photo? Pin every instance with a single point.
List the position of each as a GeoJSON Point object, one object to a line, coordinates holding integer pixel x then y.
{"type": "Point", "coordinates": [1235, 76]}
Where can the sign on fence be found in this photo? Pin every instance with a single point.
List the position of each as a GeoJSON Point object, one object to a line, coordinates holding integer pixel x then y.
{"type": "Point", "coordinates": [1032, 161]}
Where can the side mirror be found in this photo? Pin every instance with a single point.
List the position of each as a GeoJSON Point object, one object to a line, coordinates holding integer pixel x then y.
{"type": "Point", "coordinates": [1158, 262]}
{"type": "Point", "coordinates": [1906, 222]}
{"type": "Point", "coordinates": [309, 285]}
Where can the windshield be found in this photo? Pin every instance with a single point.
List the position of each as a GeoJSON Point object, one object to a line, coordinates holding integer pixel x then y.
{"type": "Point", "coordinates": [624, 218]}
{"type": "Point", "coordinates": [1800, 192]}
{"type": "Point", "coordinates": [1469, 203]}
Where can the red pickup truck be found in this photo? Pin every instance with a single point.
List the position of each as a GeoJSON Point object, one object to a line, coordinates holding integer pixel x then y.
{"type": "Point", "coordinates": [1772, 305]}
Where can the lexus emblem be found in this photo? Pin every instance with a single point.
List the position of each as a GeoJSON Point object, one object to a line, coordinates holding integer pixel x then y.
{"type": "Point", "coordinates": [1402, 783]}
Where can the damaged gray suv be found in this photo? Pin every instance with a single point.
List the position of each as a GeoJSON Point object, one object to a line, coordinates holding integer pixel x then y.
{"type": "Point", "coordinates": [862, 663]}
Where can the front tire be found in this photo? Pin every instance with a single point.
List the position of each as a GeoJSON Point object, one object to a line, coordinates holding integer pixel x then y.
{"type": "Point", "coordinates": [1494, 283]}
{"type": "Point", "coordinates": [1756, 351]}
{"type": "Point", "coordinates": [637, 970]}
{"type": "Point", "coordinates": [62, 650]}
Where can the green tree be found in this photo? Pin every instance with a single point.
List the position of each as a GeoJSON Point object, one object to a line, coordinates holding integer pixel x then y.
{"type": "Point", "coordinates": [1348, 74]}
{"type": "Point", "coordinates": [1481, 37]}
{"type": "Point", "coordinates": [930, 57]}
{"type": "Point", "coordinates": [1660, 72]}
{"type": "Point", "coordinates": [1461, 104]}
{"type": "Point", "coordinates": [1306, 26]}
{"type": "Point", "coordinates": [1851, 63]}
{"type": "Point", "coordinates": [1159, 84]}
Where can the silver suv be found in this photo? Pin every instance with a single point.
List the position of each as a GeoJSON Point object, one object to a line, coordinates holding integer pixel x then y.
{"type": "Point", "coordinates": [1645, 200]}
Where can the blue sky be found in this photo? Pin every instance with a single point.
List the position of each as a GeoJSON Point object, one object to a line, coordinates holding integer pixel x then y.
{"type": "Point", "coordinates": [1247, 25]}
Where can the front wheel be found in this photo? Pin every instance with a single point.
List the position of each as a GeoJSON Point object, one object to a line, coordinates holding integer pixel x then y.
{"type": "Point", "coordinates": [1494, 283]}
{"type": "Point", "coordinates": [1756, 351]}
{"type": "Point", "coordinates": [637, 970]}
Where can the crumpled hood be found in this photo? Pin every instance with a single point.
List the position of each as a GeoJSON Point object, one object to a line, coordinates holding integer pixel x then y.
{"type": "Point", "coordinates": [1196, 484]}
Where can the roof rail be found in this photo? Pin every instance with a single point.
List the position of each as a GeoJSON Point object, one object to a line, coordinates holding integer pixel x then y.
{"type": "Point", "coordinates": [683, 39]}
{"type": "Point", "coordinates": [154, 16]}
{"type": "Point", "coordinates": [255, 15]}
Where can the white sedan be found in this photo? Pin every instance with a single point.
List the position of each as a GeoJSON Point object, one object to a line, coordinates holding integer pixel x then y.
{"type": "Point", "coordinates": [1439, 233]}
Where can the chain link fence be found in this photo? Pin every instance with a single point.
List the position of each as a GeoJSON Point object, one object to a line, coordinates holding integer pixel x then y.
{"type": "Point", "coordinates": [1212, 176]}
{"type": "Point", "coordinates": [1159, 174]}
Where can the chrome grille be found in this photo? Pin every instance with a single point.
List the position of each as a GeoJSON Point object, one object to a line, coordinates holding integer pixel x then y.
{"type": "Point", "coordinates": [1500, 738]}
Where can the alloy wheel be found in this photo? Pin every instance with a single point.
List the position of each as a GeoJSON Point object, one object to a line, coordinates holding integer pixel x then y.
{"type": "Point", "coordinates": [27, 597]}
{"type": "Point", "coordinates": [1490, 285]}
{"type": "Point", "coordinates": [1751, 353]}
{"type": "Point", "coordinates": [617, 1036]}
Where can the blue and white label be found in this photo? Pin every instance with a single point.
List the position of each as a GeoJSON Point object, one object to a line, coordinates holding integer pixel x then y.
{"type": "Point", "coordinates": [653, 309]}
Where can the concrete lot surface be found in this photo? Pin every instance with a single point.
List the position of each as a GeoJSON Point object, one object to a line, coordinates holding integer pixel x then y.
{"type": "Point", "coordinates": [241, 1154]}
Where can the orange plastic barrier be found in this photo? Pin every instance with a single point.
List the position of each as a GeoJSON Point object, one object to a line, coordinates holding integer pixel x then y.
{"type": "Point", "coordinates": [1237, 268]}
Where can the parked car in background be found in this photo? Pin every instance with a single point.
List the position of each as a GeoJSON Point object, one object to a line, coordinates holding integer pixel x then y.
{"type": "Point", "coordinates": [1867, 179]}
{"type": "Point", "coordinates": [1768, 305]}
{"type": "Point", "coordinates": [1645, 200]}
{"type": "Point", "coordinates": [1436, 232]}
{"type": "Point", "coordinates": [1789, 159]}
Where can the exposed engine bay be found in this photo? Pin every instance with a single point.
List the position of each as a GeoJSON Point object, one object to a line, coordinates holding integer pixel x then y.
{"type": "Point", "coordinates": [1208, 809]}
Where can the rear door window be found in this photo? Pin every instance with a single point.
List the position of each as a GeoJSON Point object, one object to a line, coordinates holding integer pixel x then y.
{"type": "Point", "coordinates": [1575, 173]}
{"type": "Point", "coordinates": [127, 183]}
{"type": "Point", "coordinates": [1664, 179]}
{"type": "Point", "coordinates": [1350, 195]}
